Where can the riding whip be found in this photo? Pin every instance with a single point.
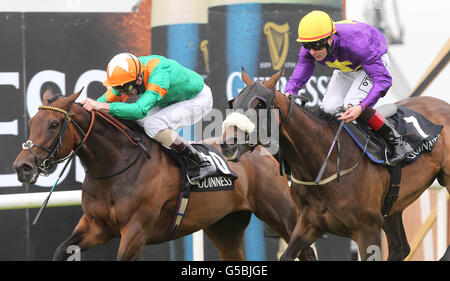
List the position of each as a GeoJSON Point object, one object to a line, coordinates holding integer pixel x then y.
{"type": "Point", "coordinates": [39, 213]}
{"type": "Point", "coordinates": [324, 165]}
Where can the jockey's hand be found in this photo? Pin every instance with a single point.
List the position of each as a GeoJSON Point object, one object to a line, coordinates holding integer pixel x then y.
{"type": "Point", "coordinates": [287, 94]}
{"type": "Point", "coordinates": [351, 114]}
{"type": "Point", "coordinates": [90, 104]}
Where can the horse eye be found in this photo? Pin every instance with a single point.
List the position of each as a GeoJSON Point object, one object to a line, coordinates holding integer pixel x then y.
{"type": "Point", "coordinates": [54, 125]}
{"type": "Point", "coordinates": [261, 104]}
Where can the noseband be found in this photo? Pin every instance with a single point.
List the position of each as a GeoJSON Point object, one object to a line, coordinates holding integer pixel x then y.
{"type": "Point", "coordinates": [50, 161]}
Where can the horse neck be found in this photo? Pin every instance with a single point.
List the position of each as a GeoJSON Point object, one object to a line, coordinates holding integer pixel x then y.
{"type": "Point", "coordinates": [305, 140]}
{"type": "Point", "coordinates": [105, 148]}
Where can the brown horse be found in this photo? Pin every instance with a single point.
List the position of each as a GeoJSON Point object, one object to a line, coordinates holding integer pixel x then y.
{"type": "Point", "coordinates": [351, 207]}
{"type": "Point", "coordinates": [126, 195]}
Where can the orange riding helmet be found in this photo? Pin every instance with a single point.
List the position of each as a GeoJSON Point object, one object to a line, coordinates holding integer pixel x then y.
{"type": "Point", "coordinates": [122, 68]}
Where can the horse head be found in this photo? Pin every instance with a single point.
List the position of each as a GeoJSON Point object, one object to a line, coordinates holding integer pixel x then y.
{"type": "Point", "coordinates": [51, 137]}
{"type": "Point", "coordinates": [253, 106]}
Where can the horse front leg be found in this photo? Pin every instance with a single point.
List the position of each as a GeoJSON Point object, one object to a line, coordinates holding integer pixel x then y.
{"type": "Point", "coordinates": [369, 242]}
{"type": "Point", "coordinates": [396, 237]}
{"type": "Point", "coordinates": [132, 241]}
{"type": "Point", "coordinates": [86, 234]}
{"type": "Point", "coordinates": [302, 237]}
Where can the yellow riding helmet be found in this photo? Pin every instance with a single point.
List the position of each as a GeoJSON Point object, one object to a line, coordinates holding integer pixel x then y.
{"type": "Point", "coordinates": [315, 26]}
{"type": "Point", "coordinates": [122, 69]}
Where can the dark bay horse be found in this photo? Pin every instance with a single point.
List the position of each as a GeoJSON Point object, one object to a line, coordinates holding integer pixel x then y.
{"type": "Point", "coordinates": [351, 207]}
{"type": "Point", "coordinates": [126, 195]}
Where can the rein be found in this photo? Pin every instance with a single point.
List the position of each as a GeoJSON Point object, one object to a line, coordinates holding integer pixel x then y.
{"type": "Point", "coordinates": [335, 176]}
{"type": "Point", "coordinates": [123, 129]}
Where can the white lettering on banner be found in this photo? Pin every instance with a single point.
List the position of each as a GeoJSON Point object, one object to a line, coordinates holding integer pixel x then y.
{"type": "Point", "coordinates": [314, 86]}
{"type": "Point", "coordinates": [79, 170]}
{"type": "Point", "coordinates": [9, 127]}
{"type": "Point", "coordinates": [59, 78]}
{"type": "Point", "coordinates": [9, 180]}
{"type": "Point", "coordinates": [9, 78]}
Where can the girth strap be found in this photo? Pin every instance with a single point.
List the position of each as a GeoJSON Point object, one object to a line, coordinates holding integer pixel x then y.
{"type": "Point", "coordinates": [334, 176]}
{"type": "Point", "coordinates": [394, 188]}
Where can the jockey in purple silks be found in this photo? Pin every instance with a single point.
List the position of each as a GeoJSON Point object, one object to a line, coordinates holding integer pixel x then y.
{"type": "Point", "coordinates": [358, 54]}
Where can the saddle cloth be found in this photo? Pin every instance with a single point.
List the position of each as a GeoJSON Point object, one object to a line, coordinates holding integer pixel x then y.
{"type": "Point", "coordinates": [223, 179]}
{"type": "Point", "coordinates": [418, 131]}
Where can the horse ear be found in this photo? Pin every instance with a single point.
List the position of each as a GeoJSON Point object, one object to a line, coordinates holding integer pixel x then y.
{"type": "Point", "coordinates": [73, 97]}
{"type": "Point", "coordinates": [247, 80]}
{"type": "Point", "coordinates": [270, 84]}
{"type": "Point", "coordinates": [48, 95]}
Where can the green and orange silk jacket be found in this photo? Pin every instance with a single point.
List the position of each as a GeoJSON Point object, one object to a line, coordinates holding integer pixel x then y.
{"type": "Point", "coordinates": [166, 82]}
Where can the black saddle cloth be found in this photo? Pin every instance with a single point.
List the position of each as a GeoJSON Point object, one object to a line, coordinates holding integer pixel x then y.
{"type": "Point", "coordinates": [418, 131]}
{"type": "Point", "coordinates": [223, 179]}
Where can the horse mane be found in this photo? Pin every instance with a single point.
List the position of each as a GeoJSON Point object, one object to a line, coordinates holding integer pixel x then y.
{"type": "Point", "coordinates": [133, 126]}
{"type": "Point", "coordinates": [317, 113]}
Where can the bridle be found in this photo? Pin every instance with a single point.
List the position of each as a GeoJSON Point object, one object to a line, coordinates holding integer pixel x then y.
{"type": "Point", "coordinates": [267, 96]}
{"type": "Point", "coordinates": [50, 161]}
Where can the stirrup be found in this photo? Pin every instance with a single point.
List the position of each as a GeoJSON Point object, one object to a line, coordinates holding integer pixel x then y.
{"type": "Point", "coordinates": [191, 182]}
{"type": "Point", "coordinates": [387, 158]}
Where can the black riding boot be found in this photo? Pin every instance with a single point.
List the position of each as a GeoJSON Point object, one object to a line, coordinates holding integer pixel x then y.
{"type": "Point", "coordinates": [400, 148]}
{"type": "Point", "coordinates": [205, 167]}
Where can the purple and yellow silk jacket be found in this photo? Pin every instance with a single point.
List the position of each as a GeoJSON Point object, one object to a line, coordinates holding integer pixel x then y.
{"type": "Point", "coordinates": [356, 46]}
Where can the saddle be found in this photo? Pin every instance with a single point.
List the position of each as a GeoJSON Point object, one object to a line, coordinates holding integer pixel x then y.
{"type": "Point", "coordinates": [418, 131]}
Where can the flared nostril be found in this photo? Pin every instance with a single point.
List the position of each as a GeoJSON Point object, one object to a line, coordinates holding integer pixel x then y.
{"type": "Point", "coordinates": [23, 169]}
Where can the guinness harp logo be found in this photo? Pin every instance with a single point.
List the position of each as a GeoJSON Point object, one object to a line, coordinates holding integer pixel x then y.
{"type": "Point", "coordinates": [278, 41]}
{"type": "Point", "coordinates": [204, 49]}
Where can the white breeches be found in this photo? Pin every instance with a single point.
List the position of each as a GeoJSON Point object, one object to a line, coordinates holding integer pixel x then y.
{"type": "Point", "coordinates": [178, 115]}
{"type": "Point", "coordinates": [347, 88]}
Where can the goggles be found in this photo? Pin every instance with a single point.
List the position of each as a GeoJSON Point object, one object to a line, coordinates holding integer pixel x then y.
{"type": "Point", "coordinates": [317, 45]}
{"type": "Point", "coordinates": [127, 87]}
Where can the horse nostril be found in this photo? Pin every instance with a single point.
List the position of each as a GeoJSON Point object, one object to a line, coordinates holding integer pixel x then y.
{"type": "Point", "coordinates": [24, 169]}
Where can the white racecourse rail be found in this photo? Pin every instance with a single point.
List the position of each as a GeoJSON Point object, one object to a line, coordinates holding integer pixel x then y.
{"type": "Point", "coordinates": [72, 198]}
{"type": "Point", "coordinates": [35, 200]}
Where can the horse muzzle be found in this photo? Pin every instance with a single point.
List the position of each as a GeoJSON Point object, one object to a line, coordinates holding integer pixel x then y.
{"type": "Point", "coordinates": [233, 152]}
{"type": "Point", "coordinates": [27, 172]}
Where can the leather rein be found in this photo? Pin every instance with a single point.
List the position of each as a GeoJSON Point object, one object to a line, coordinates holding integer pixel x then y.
{"type": "Point", "coordinates": [338, 173]}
